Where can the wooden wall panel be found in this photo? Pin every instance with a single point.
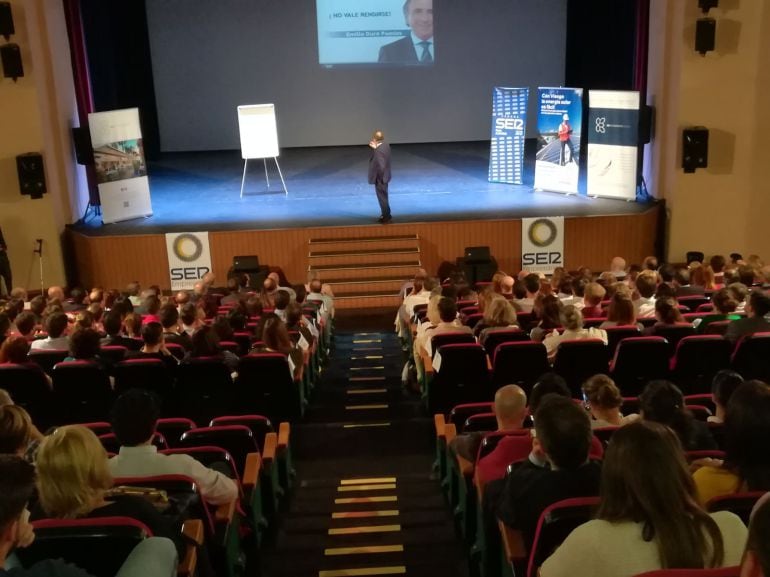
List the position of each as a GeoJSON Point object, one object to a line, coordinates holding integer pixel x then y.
{"type": "Point", "coordinates": [589, 241]}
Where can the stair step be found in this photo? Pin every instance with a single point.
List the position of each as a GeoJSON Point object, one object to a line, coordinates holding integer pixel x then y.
{"type": "Point", "coordinates": [367, 252]}
{"type": "Point", "coordinates": [364, 265]}
{"type": "Point", "coordinates": [398, 237]}
{"type": "Point", "coordinates": [376, 279]}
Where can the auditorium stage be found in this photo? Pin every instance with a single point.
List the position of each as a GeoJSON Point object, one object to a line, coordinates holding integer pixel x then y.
{"type": "Point", "coordinates": [327, 187]}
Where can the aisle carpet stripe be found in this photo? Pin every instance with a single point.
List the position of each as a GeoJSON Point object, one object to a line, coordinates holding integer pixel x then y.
{"type": "Point", "coordinates": [365, 407]}
{"type": "Point", "coordinates": [364, 514]}
{"type": "Point", "coordinates": [368, 481]}
{"type": "Point", "coordinates": [366, 487]}
{"type": "Point", "coordinates": [358, 500]}
{"type": "Point", "coordinates": [364, 425]}
{"type": "Point", "coordinates": [358, 379]}
{"type": "Point", "coordinates": [365, 529]}
{"type": "Point", "coordinates": [364, 572]}
{"type": "Point", "coordinates": [364, 550]}
{"type": "Point", "coordinates": [367, 391]}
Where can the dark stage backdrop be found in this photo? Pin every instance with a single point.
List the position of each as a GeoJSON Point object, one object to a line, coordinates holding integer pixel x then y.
{"type": "Point", "coordinates": [209, 57]}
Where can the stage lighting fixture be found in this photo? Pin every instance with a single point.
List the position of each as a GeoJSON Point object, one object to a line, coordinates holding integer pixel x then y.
{"type": "Point", "coordinates": [706, 5]}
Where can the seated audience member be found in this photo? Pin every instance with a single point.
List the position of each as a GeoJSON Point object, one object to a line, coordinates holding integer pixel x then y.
{"type": "Point", "coordinates": [296, 322]}
{"type": "Point", "coordinates": [132, 291]}
{"type": "Point", "coordinates": [682, 284]}
{"type": "Point", "coordinates": [37, 308]}
{"type": "Point", "coordinates": [572, 321]}
{"type": "Point", "coordinates": [447, 311]}
{"type": "Point", "coordinates": [233, 295]}
{"type": "Point", "coordinates": [425, 332]}
{"type": "Point", "coordinates": [566, 292]}
{"type": "Point", "coordinates": [722, 388]}
{"type": "Point", "coordinates": [223, 329]}
{"type": "Point", "coordinates": [593, 294]}
{"type": "Point", "coordinates": [153, 557]}
{"type": "Point", "coordinates": [739, 292]}
{"type": "Point", "coordinates": [621, 312]}
{"type": "Point", "coordinates": [603, 400]}
{"type": "Point", "coordinates": [579, 284]}
{"type": "Point", "coordinates": [646, 283]}
{"type": "Point", "coordinates": [134, 416]}
{"type": "Point", "coordinates": [169, 320]}
{"type": "Point", "coordinates": [548, 309]}
{"type": "Point", "coordinates": [85, 345]}
{"type": "Point", "coordinates": [132, 323]}
{"type": "Point", "coordinates": [756, 560]}
{"type": "Point", "coordinates": [275, 339]}
{"type": "Point", "coordinates": [618, 268]}
{"type": "Point", "coordinates": [113, 325]}
{"type": "Point", "coordinates": [267, 293]}
{"type": "Point", "coordinates": [667, 314]}
{"type": "Point", "coordinates": [24, 325]}
{"type": "Point", "coordinates": [18, 436]}
{"type": "Point", "coordinates": [510, 410]}
{"type": "Point", "coordinates": [205, 343]}
{"type": "Point", "coordinates": [747, 463]}
{"type": "Point", "coordinates": [703, 276]}
{"type": "Point", "coordinates": [650, 263]}
{"type": "Point", "coordinates": [665, 291]}
{"type": "Point", "coordinates": [648, 517]}
{"type": "Point", "coordinates": [76, 303]}
{"type": "Point", "coordinates": [663, 402]}
{"type": "Point", "coordinates": [154, 346]}
{"type": "Point", "coordinates": [558, 468]}
{"type": "Point", "coordinates": [181, 298]}
{"type": "Point", "coordinates": [282, 300]}
{"type": "Point", "coordinates": [190, 319]}
{"type": "Point", "coordinates": [97, 312]}
{"type": "Point", "coordinates": [531, 284]}
{"type": "Point", "coordinates": [718, 263]}
{"type": "Point", "coordinates": [56, 326]}
{"type": "Point", "coordinates": [724, 310]}
{"type": "Point", "coordinates": [74, 481]}
{"type": "Point", "coordinates": [757, 309]}
{"type": "Point", "coordinates": [420, 294]}
{"type": "Point", "coordinates": [15, 351]}
{"type": "Point", "coordinates": [547, 384]}
{"type": "Point", "coordinates": [149, 309]}
{"type": "Point", "coordinates": [497, 282]}
{"type": "Point", "coordinates": [83, 320]}
{"type": "Point", "coordinates": [499, 315]}
{"type": "Point", "coordinates": [507, 287]}
{"type": "Point", "coordinates": [317, 292]}
{"type": "Point", "coordinates": [281, 283]}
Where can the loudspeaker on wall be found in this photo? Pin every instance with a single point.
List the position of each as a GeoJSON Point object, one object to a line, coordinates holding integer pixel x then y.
{"type": "Point", "coordinates": [6, 20]}
{"type": "Point", "coordinates": [84, 151]}
{"type": "Point", "coordinates": [695, 148]}
{"type": "Point", "coordinates": [705, 35]}
{"type": "Point", "coordinates": [10, 54]}
{"type": "Point", "coordinates": [31, 173]}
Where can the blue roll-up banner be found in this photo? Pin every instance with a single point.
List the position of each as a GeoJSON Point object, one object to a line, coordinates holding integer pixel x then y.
{"type": "Point", "coordinates": [509, 127]}
{"type": "Point", "coordinates": [559, 119]}
{"type": "Point", "coordinates": [613, 143]}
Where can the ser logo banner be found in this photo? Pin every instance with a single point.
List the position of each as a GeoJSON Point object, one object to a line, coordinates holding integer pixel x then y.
{"type": "Point", "coordinates": [542, 244]}
{"type": "Point", "coordinates": [189, 258]}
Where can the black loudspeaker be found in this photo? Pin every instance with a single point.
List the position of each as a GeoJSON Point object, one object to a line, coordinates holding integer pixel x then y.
{"type": "Point", "coordinates": [10, 54]}
{"type": "Point", "coordinates": [477, 255]}
{"type": "Point", "coordinates": [6, 20]}
{"type": "Point", "coordinates": [84, 150]}
{"type": "Point", "coordinates": [707, 5]}
{"type": "Point", "coordinates": [31, 174]}
{"type": "Point", "coordinates": [246, 263]}
{"type": "Point", "coordinates": [646, 123]}
{"type": "Point", "coordinates": [695, 256]}
{"type": "Point", "coordinates": [695, 148]}
{"type": "Point", "coordinates": [705, 35]}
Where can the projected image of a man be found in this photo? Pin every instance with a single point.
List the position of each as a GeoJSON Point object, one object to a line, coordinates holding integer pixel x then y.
{"type": "Point", "coordinates": [417, 48]}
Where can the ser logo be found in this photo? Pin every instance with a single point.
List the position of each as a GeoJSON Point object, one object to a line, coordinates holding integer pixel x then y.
{"type": "Point", "coordinates": [188, 248]}
{"type": "Point", "coordinates": [509, 124]}
{"type": "Point", "coordinates": [542, 233]}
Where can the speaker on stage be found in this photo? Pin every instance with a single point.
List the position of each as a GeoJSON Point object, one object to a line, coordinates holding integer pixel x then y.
{"type": "Point", "coordinates": [477, 264]}
{"type": "Point", "coordinates": [250, 265]}
{"type": "Point", "coordinates": [477, 255]}
{"type": "Point", "coordinates": [31, 174]}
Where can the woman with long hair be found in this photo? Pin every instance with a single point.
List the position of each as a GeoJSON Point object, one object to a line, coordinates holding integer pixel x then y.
{"type": "Point", "coordinates": [276, 339]}
{"type": "Point", "coordinates": [548, 309]}
{"type": "Point", "coordinates": [663, 402]}
{"type": "Point", "coordinates": [603, 401]}
{"type": "Point", "coordinates": [498, 315]}
{"type": "Point", "coordinates": [747, 462]}
{"type": "Point", "coordinates": [649, 517]}
{"type": "Point", "coordinates": [621, 312]}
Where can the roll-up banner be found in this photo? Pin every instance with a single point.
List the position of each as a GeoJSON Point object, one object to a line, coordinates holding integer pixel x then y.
{"type": "Point", "coordinates": [189, 258]}
{"type": "Point", "coordinates": [509, 126]}
{"type": "Point", "coordinates": [559, 120]}
{"type": "Point", "coordinates": [542, 244]}
{"type": "Point", "coordinates": [121, 170]}
{"type": "Point", "coordinates": [613, 141]}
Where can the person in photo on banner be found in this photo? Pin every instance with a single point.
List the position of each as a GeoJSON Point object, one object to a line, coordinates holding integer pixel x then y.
{"type": "Point", "coordinates": [565, 130]}
{"type": "Point", "coordinates": [379, 173]}
{"type": "Point", "coordinates": [417, 48]}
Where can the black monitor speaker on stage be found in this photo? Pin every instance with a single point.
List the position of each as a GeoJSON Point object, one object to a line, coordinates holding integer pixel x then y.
{"type": "Point", "coordinates": [477, 255]}
{"type": "Point", "coordinates": [250, 265]}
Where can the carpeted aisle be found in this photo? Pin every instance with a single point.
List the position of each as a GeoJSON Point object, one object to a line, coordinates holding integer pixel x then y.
{"type": "Point", "coordinates": [364, 502]}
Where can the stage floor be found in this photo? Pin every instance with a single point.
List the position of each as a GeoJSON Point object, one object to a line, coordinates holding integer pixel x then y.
{"type": "Point", "coordinates": [327, 187]}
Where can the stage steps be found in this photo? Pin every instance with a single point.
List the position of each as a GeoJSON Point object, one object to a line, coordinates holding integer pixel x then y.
{"type": "Point", "coordinates": [365, 271]}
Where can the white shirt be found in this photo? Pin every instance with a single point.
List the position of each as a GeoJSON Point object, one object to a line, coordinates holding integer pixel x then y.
{"type": "Point", "coordinates": [145, 461]}
{"type": "Point", "coordinates": [603, 549]}
{"type": "Point", "coordinates": [524, 305]}
{"type": "Point", "coordinates": [645, 307]}
{"type": "Point", "coordinates": [553, 340]}
{"type": "Point", "coordinates": [51, 344]}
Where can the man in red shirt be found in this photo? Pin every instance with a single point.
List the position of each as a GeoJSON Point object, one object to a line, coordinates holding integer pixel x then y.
{"type": "Point", "coordinates": [564, 139]}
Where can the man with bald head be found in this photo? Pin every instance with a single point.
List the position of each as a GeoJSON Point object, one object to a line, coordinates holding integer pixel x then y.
{"type": "Point", "coordinates": [510, 410]}
{"type": "Point", "coordinates": [56, 293]}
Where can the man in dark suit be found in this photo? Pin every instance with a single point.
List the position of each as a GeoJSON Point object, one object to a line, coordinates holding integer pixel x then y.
{"type": "Point", "coordinates": [5, 266]}
{"type": "Point", "coordinates": [417, 48]}
{"type": "Point", "coordinates": [379, 173]}
{"type": "Point", "coordinates": [757, 309]}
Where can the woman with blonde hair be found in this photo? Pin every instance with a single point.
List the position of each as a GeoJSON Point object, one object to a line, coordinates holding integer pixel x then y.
{"type": "Point", "coordinates": [572, 321]}
{"type": "Point", "coordinates": [499, 315]}
{"type": "Point", "coordinates": [74, 481]}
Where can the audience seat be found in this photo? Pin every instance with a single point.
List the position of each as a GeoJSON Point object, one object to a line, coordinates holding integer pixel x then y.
{"type": "Point", "coordinates": [113, 353]}
{"type": "Point", "coordinates": [751, 355]}
{"type": "Point", "coordinates": [111, 445]}
{"type": "Point", "coordinates": [99, 546]}
{"type": "Point", "coordinates": [442, 339]}
{"type": "Point", "coordinates": [692, 302]}
{"type": "Point", "coordinates": [29, 388]}
{"type": "Point", "coordinates": [204, 389]}
{"type": "Point", "coordinates": [717, 328]}
{"type": "Point", "coordinates": [497, 337]}
{"type": "Point", "coordinates": [461, 376]}
{"type": "Point", "coordinates": [742, 504]}
{"type": "Point", "coordinates": [82, 392]}
{"type": "Point", "coordinates": [617, 334]}
{"type": "Point", "coordinates": [176, 349]}
{"type": "Point", "coordinates": [460, 413]}
{"type": "Point", "coordinates": [580, 359]}
{"type": "Point", "coordinates": [480, 422]}
{"type": "Point", "coordinates": [638, 360]}
{"type": "Point", "coordinates": [47, 359]}
{"type": "Point", "coordinates": [473, 319]}
{"type": "Point", "coordinates": [149, 374]}
{"type": "Point", "coordinates": [172, 428]}
{"type": "Point", "coordinates": [674, 333]}
{"type": "Point", "coordinates": [697, 359]}
{"type": "Point", "coordinates": [519, 363]}
{"type": "Point", "coordinates": [604, 434]}
{"type": "Point", "coordinates": [265, 386]}
{"type": "Point", "coordinates": [525, 320]}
